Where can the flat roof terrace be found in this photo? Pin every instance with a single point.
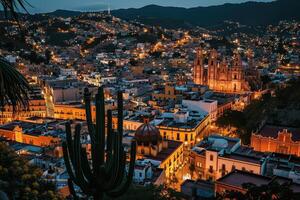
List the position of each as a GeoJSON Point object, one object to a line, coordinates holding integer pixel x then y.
{"type": "Point", "coordinates": [190, 124]}
{"type": "Point", "coordinates": [165, 153]}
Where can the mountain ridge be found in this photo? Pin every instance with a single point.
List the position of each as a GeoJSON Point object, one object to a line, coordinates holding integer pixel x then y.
{"type": "Point", "coordinates": [248, 13]}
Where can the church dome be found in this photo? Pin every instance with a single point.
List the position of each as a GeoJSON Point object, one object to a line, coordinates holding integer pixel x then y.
{"type": "Point", "coordinates": [147, 134]}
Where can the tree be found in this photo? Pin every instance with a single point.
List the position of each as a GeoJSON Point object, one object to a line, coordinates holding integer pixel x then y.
{"type": "Point", "coordinates": [249, 119]}
{"type": "Point", "coordinates": [11, 6]}
{"type": "Point", "coordinates": [150, 192]}
{"type": "Point", "coordinates": [13, 87]}
{"type": "Point", "coordinates": [232, 118]}
{"type": "Point", "coordinates": [21, 181]}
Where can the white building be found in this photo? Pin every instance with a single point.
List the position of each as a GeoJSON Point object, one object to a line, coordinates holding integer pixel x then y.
{"type": "Point", "coordinates": [209, 106]}
{"type": "Point", "coordinates": [69, 72]}
{"type": "Point", "coordinates": [96, 79]}
{"type": "Point", "coordinates": [216, 156]}
{"type": "Point", "coordinates": [143, 172]}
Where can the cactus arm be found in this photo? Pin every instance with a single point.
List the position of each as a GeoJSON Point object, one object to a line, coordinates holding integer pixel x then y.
{"type": "Point", "coordinates": [116, 159]}
{"type": "Point", "coordinates": [112, 166]}
{"type": "Point", "coordinates": [91, 126]}
{"type": "Point", "coordinates": [109, 131]}
{"type": "Point", "coordinates": [109, 143]}
{"type": "Point", "coordinates": [121, 171]}
{"type": "Point", "coordinates": [109, 165]}
{"type": "Point", "coordinates": [67, 162]}
{"type": "Point", "coordinates": [116, 174]}
{"type": "Point", "coordinates": [72, 190]}
{"type": "Point", "coordinates": [69, 142]}
{"type": "Point", "coordinates": [87, 101]}
{"type": "Point", "coordinates": [97, 161]}
{"type": "Point", "coordinates": [120, 116]}
{"type": "Point", "coordinates": [86, 166]}
{"type": "Point", "coordinates": [102, 125]}
{"type": "Point", "coordinates": [82, 183]}
{"type": "Point", "coordinates": [123, 188]}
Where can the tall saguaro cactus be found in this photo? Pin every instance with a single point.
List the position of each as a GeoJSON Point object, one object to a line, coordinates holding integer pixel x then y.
{"type": "Point", "coordinates": [106, 173]}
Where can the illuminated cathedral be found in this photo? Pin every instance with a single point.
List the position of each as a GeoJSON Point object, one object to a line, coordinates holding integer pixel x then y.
{"type": "Point", "coordinates": [220, 75]}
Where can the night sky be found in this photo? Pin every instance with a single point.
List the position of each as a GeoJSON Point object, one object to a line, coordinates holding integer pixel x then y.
{"type": "Point", "coordinates": [93, 5]}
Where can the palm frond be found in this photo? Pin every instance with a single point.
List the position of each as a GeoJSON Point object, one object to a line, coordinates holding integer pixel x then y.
{"type": "Point", "coordinates": [13, 6]}
{"type": "Point", "coordinates": [14, 87]}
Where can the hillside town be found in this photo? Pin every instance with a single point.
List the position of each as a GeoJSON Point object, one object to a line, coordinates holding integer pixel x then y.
{"type": "Point", "coordinates": [207, 107]}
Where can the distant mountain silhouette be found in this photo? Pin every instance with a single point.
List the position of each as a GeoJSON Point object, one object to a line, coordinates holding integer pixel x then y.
{"type": "Point", "coordinates": [249, 13]}
{"type": "Point", "coordinates": [57, 13]}
{"type": "Point", "coordinates": [64, 13]}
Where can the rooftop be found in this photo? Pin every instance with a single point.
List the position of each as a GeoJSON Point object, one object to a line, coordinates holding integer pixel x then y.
{"type": "Point", "coordinates": [199, 184]}
{"type": "Point", "coordinates": [272, 131]}
{"type": "Point", "coordinates": [23, 125]}
{"type": "Point", "coordinates": [218, 143]}
{"type": "Point", "coordinates": [244, 158]}
{"type": "Point", "coordinates": [190, 124]}
{"type": "Point", "coordinates": [238, 178]}
{"type": "Point", "coordinates": [165, 153]}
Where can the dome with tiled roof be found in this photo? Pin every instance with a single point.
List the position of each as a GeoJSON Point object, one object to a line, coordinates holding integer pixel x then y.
{"type": "Point", "coordinates": [147, 134]}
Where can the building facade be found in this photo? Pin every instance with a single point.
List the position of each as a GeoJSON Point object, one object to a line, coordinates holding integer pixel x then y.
{"type": "Point", "coordinates": [223, 76]}
{"type": "Point", "coordinates": [216, 156]}
{"type": "Point", "coordinates": [277, 139]}
{"type": "Point", "coordinates": [16, 133]}
{"type": "Point", "coordinates": [235, 181]}
{"type": "Point", "coordinates": [37, 108]}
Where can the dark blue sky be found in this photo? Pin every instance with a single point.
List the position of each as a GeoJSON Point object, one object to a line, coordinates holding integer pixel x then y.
{"type": "Point", "coordinates": [51, 5]}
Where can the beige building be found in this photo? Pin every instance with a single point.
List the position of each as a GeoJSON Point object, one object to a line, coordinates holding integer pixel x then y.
{"type": "Point", "coordinates": [37, 108]}
{"type": "Point", "coordinates": [184, 127]}
{"type": "Point", "coordinates": [216, 156]}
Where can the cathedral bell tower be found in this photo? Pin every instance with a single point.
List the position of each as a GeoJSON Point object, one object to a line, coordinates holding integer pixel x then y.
{"type": "Point", "coordinates": [199, 68]}
{"type": "Point", "coordinates": [212, 68]}
{"type": "Point", "coordinates": [237, 73]}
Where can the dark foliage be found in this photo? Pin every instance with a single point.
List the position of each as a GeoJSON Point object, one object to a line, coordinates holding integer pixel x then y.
{"type": "Point", "coordinates": [150, 192]}
{"type": "Point", "coordinates": [20, 181]}
{"type": "Point", "coordinates": [280, 110]}
{"type": "Point", "coordinates": [13, 87]}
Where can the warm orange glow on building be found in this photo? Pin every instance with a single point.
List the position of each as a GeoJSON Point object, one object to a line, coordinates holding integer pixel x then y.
{"type": "Point", "coordinates": [277, 139]}
{"type": "Point", "coordinates": [71, 112]}
{"type": "Point", "coordinates": [219, 75]}
{"type": "Point", "coordinates": [37, 108]}
{"type": "Point", "coordinates": [16, 134]}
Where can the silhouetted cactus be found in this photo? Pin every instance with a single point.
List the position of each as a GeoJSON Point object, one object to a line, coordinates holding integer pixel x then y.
{"type": "Point", "coordinates": [106, 174]}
